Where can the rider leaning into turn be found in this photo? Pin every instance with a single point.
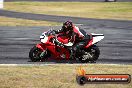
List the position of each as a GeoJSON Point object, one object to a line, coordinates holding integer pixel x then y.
{"type": "Point", "coordinates": [74, 35]}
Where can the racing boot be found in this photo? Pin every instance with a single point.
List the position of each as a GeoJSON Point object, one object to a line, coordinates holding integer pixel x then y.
{"type": "Point", "coordinates": [71, 52]}
{"type": "Point", "coordinates": [74, 51]}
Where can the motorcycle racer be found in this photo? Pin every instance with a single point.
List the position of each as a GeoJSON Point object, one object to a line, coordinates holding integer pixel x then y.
{"type": "Point", "coordinates": [74, 35]}
{"type": "Point", "coordinates": [54, 45]}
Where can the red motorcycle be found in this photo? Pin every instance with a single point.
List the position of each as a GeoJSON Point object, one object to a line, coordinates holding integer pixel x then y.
{"type": "Point", "coordinates": [48, 48]}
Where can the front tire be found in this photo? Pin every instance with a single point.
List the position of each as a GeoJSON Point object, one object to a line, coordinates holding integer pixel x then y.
{"type": "Point", "coordinates": [34, 54]}
{"type": "Point", "coordinates": [91, 55]}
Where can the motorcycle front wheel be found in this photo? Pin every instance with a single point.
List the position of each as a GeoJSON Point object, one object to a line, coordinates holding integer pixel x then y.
{"type": "Point", "coordinates": [34, 54]}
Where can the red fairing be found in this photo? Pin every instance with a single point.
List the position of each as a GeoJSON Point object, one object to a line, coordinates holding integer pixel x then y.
{"type": "Point", "coordinates": [63, 39]}
{"type": "Point", "coordinates": [41, 46]}
{"type": "Point", "coordinates": [56, 51]}
{"type": "Point", "coordinates": [89, 44]}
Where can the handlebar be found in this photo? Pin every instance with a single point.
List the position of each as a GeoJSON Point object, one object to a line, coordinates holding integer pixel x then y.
{"type": "Point", "coordinates": [55, 40]}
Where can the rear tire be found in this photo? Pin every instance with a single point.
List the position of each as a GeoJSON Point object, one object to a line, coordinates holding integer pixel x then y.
{"type": "Point", "coordinates": [91, 56]}
{"type": "Point", "coordinates": [34, 54]}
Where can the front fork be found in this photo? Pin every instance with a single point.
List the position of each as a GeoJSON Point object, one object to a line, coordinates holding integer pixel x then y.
{"type": "Point", "coordinates": [43, 48]}
{"type": "Point", "coordinates": [43, 54]}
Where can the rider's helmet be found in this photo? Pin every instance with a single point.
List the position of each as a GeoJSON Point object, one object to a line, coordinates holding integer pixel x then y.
{"type": "Point", "coordinates": [67, 27]}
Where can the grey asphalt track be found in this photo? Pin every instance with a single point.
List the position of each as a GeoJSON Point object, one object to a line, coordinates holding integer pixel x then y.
{"type": "Point", "coordinates": [77, 20]}
{"type": "Point", "coordinates": [15, 43]}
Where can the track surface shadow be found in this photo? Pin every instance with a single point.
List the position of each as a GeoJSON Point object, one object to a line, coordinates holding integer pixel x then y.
{"type": "Point", "coordinates": [110, 61]}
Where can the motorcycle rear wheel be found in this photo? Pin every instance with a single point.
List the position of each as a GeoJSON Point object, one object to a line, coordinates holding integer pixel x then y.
{"type": "Point", "coordinates": [91, 55]}
{"type": "Point", "coordinates": [34, 54]}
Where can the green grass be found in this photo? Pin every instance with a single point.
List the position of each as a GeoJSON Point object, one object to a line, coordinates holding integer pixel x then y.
{"type": "Point", "coordinates": [100, 10]}
{"type": "Point", "coordinates": [57, 76]}
{"type": "Point", "coordinates": [7, 21]}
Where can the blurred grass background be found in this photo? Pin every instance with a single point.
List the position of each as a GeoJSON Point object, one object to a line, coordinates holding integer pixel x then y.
{"type": "Point", "coordinates": [98, 10]}
{"type": "Point", "coordinates": [57, 76]}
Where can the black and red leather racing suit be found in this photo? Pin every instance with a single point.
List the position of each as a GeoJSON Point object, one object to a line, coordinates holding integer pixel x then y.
{"type": "Point", "coordinates": [78, 37]}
